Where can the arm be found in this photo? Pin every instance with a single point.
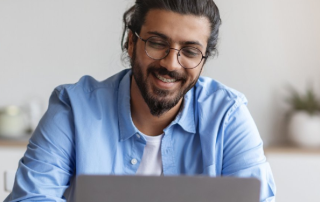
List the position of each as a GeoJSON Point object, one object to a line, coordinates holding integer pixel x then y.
{"type": "Point", "coordinates": [45, 170]}
{"type": "Point", "coordinates": [243, 152]}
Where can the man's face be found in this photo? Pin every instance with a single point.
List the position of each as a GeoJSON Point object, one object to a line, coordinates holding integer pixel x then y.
{"type": "Point", "coordinates": [163, 83]}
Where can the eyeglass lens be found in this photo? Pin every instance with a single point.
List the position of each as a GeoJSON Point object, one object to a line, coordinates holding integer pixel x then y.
{"type": "Point", "coordinates": [158, 48]}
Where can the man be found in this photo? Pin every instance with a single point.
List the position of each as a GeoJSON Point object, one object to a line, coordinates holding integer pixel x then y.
{"type": "Point", "coordinates": [158, 118]}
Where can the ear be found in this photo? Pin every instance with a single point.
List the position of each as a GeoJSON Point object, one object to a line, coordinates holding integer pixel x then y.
{"type": "Point", "coordinates": [130, 44]}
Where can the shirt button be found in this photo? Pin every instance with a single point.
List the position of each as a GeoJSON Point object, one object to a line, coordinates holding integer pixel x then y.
{"type": "Point", "coordinates": [138, 136]}
{"type": "Point", "coordinates": [134, 161]}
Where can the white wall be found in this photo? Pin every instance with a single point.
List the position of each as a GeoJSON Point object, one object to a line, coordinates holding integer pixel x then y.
{"type": "Point", "coordinates": [264, 45]}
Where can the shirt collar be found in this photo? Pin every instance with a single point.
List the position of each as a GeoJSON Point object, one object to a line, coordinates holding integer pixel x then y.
{"type": "Point", "coordinates": [185, 117]}
{"type": "Point", "coordinates": [127, 128]}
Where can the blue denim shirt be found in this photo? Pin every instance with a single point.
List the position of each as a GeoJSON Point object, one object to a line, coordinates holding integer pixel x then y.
{"type": "Point", "coordinates": [88, 129]}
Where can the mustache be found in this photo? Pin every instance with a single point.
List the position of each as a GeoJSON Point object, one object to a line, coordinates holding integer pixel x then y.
{"type": "Point", "coordinates": [163, 71]}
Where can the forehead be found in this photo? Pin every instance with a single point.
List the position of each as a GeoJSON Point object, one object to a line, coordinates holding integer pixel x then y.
{"type": "Point", "coordinates": [177, 27]}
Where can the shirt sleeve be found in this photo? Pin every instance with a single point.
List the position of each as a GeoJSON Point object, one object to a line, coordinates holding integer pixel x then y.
{"type": "Point", "coordinates": [45, 170]}
{"type": "Point", "coordinates": [243, 152]}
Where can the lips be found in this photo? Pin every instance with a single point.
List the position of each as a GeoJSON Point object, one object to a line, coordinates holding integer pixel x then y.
{"type": "Point", "coordinates": [165, 79]}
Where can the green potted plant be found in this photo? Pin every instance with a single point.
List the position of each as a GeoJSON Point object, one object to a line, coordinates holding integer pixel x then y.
{"type": "Point", "coordinates": [304, 118]}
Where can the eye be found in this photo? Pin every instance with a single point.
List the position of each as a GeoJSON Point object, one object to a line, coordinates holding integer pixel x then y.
{"type": "Point", "coordinates": [191, 52]}
{"type": "Point", "coordinates": [157, 43]}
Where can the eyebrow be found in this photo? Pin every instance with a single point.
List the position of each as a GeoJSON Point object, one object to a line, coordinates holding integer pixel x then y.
{"type": "Point", "coordinates": [167, 38]}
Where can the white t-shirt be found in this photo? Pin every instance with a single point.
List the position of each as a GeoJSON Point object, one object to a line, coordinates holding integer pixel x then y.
{"type": "Point", "coordinates": [151, 163]}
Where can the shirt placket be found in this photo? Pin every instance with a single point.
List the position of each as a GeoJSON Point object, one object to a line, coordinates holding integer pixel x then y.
{"type": "Point", "coordinates": [135, 155]}
{"type": "Point", "coordinates": [167, 153]}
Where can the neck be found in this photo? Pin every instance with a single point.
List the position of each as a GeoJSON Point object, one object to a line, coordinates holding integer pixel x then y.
{"type": "Point", "coordinates": [143, 119]}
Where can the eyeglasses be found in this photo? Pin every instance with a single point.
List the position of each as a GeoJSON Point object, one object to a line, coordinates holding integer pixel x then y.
{"type": "Point", "coordinates": [157, 48]}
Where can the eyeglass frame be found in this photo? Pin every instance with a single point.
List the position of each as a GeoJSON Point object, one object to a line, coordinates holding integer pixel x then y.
{"type": "Point", "coordinates": [178, 54]}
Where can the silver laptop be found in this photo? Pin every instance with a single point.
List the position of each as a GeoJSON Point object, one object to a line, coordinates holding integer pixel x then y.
{"type": "Point", "coordinates": [106, 188]}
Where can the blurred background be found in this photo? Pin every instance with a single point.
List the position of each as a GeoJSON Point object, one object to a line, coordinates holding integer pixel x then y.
{"type": "Point", "coordinates": [264, 47]}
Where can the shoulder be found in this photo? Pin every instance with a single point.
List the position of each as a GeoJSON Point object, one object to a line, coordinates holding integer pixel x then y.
{"type": "Point", "coordinates": [87, 84]}
{"type": "Point", "coordinates": [207, 87]}
{"type": "Point", "coordinates": [213, 96]}
{"type": "Point", "coordinates": [88, 92]}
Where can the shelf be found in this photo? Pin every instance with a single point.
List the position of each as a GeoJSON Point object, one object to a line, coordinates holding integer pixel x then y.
{"type": "Point", "coordinates": [291, 149]}
{"type": "Point", "coordinates": [21, 142]}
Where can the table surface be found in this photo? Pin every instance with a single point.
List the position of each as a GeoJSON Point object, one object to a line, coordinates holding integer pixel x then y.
{"type": "Point", "coordinates": [272, 149]}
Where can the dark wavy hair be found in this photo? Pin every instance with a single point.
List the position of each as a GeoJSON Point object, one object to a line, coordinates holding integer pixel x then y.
{"type": "Point", "coordinates": [134, 17]}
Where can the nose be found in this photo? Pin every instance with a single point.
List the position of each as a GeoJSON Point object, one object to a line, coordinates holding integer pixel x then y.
{"type": "Point", "coordinates": [170, 62]}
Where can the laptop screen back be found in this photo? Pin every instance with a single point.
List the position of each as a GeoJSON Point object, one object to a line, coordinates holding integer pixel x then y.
{"type": "Point", "coordinates": [166, 189]}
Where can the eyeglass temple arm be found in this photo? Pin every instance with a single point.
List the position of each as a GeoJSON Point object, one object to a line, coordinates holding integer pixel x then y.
{"type": "Point", "coordinates": [139, 37]}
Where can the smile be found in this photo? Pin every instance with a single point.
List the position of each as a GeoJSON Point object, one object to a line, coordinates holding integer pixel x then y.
{"type": "Point", "coordinates": [165, 79]}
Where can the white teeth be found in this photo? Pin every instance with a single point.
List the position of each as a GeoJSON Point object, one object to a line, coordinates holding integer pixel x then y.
{"type": "Point", "coordinates": [165, 79]}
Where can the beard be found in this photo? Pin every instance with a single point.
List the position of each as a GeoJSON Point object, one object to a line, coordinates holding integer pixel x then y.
{"type": "Point", "coordinates": [157, 99]}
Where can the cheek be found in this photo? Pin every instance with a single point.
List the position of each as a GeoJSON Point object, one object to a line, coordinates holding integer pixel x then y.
{"type": "Point", "coordinates": [194, 73]}
{"type": "Point", "coordinates": [139, 53]}
{"type": "Point", "coordinates": [144, 60]}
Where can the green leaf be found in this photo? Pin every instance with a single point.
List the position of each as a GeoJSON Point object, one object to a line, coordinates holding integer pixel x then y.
{"type": "Point", "coordinates": [306, 102]}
